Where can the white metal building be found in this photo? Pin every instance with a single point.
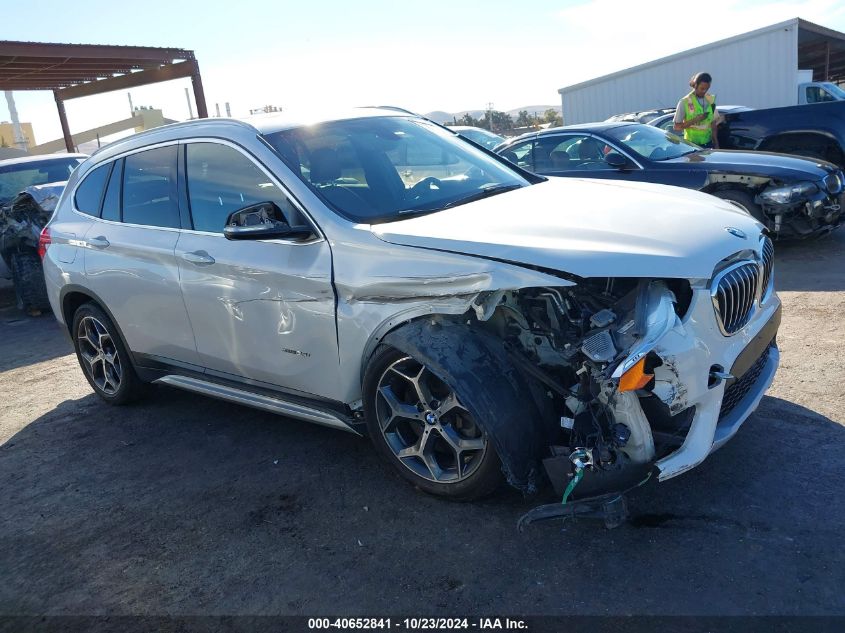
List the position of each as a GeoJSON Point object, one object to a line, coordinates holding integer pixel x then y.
{"type": "Point", "coordinates": [757, 69]}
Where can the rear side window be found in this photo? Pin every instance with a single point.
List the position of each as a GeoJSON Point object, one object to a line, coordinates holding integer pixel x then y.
{"type": "Point", "coordinates": [90, 192]}
{"type": "Point", "coordinates": [222, 180]}
{"type": "Point", "coordinates": [149, 188]}
{"type": "Point", "coordinates": [111, 203]}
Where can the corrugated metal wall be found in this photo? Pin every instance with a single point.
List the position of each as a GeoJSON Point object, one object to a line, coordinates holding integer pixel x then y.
{"type": "Point", "coordinates": [758, 71]}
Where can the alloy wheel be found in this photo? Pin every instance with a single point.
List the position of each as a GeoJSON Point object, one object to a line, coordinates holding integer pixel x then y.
{"type": "Point", "coordinates": [425, 425]}
{"type": "Point", "coordinates": [97, 349]}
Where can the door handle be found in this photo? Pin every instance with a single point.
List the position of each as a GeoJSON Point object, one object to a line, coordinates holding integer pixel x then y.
{"type": "Point", "coordinates": [98, 242]}
{"type": "Point", "coordinates": [200, 258]}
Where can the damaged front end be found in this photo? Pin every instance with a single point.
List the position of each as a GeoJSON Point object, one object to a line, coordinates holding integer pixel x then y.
{"type": "Point", "coordinates": [591, 347]}
{"type": "Point", "coordinates": [23, 217]}
{"type": "Point", "coordinates": [627, 378]}
{"type": "Point", "coordinates": [803, 209]}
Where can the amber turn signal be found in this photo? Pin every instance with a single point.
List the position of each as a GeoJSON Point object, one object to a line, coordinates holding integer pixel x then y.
{"type": "Point", "coordinates": [635, 378]}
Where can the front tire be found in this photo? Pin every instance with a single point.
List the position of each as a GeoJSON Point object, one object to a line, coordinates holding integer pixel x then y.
{"type": "Point", "coordinates": [418, 424]}
{"type": "Point", "coordinates": [103, 357]}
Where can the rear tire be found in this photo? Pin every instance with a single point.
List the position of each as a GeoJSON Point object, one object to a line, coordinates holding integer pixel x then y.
{"type": "Point", "coordinates": [439, 449]}
{"type": "Point", "coordinates": [744, 201]}
{"type": "Point", "coordinates": [102, 356]}
{"type": "Point", "coordinates": [28, 278]}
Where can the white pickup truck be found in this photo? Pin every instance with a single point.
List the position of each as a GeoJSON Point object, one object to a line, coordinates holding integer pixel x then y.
{"type": "Point", "coordinates": [810, 91]}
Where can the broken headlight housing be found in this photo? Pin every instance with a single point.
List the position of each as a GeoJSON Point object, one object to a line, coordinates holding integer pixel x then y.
{"type": "Point", "coordinates": [790, 193]}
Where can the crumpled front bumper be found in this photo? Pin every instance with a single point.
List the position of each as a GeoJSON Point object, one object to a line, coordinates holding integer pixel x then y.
{"type": "Point", "coordinates": [816, 214]}
{"type": "Point", "coordinates": [690, 351]}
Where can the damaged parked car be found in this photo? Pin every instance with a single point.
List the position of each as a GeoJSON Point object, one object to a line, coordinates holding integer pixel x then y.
{"type": "Point", "coordinates": [793, 197]}
{"type": "Point", "coordinates": [375, 273]}
{"type": "Point", "coordinates": [29, 190]}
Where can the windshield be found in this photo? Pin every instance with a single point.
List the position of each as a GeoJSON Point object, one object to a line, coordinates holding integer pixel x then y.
{"type": "Point", "coordinates": [15, 178]}
{"type": "Point", "coordinates": [651, 142]}
{"type": "Point", "coordinates": [835, 90]}
{"type": "Point", "coordinates": [381, 169]}
{"type": "Point", "coordinates": [482, 137]}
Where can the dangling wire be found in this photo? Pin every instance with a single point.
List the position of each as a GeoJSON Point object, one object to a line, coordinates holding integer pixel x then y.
{"type": "Point", "coordinates": [579, 474]}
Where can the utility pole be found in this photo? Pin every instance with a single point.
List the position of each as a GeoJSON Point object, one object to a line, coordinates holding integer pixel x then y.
{"type": "Point", "coordinates": [131, 106]}
{"type": "Point", "coordinates": [190, 107]}
{"type": "Point", "coordinates": [490, 115]}
{"type": "Point", "coordinates": [217, 107]}
{"type": "Point", "coordinates": [20, 141]}
{"type": "Point", "coordinates": [228, 110]}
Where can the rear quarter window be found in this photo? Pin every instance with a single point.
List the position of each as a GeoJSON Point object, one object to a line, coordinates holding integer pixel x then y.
{"type": "Point", "coordinates": [89, 193]}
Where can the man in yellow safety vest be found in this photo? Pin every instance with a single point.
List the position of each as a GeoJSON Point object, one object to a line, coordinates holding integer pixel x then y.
{"type": "Point", "coordinates": [696, 113]}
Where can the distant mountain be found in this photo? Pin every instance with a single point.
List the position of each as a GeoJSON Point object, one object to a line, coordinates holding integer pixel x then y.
{"type": "Point", "coordinates": [534, 109]}
{"type": "Point", "coordinates": [439, 116]}
{"type": "Point", "coordinates": [447, 117]}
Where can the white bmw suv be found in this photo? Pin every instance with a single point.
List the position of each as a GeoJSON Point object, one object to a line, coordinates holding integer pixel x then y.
{"type": "Point", "coordinates": [376, 273]}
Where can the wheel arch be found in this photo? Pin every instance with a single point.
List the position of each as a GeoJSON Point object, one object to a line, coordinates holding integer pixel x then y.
{"type": "Point", "coordinates": [503, 401]}
{"type": "Point", "coordinates": [72, 297]}
{"type": "Point", "coordinates": [714, 187]}
{"type": "Point", "coordinates": [398, 320]}
{"type": "Point", "coordinates": [819, 141]}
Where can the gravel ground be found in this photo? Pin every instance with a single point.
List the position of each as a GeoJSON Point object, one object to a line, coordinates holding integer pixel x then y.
{"type": "Point", "coordinates": [187, 505]}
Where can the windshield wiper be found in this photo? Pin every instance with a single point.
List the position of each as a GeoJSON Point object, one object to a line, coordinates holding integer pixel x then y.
{"type": "Point", "coordinates": [406, 213]}
{"type": "Point", "coordinates": [484, 193]}
{"type": "Point", "coordinates": [492, 190]}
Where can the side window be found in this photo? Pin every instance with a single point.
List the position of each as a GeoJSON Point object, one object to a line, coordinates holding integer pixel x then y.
{"type": "Point", "coordinates": [550, 154]}
{"type": "Point", "coordinates": [149, 188]}
{"type": "Point", "coordinates": [579, 153]}
{"type": "Point", "coordinates": [520, 155]}
{"type": "Point", "coordinates": [111, 203]}
{"type": "Point", "coordinates": [222, 180]}
{"type": "Point", "coordinates": [90, 192]}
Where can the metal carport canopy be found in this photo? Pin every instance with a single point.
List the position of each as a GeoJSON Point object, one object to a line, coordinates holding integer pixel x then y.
{"type": "Point", "coordinates": [821, 49]}
{"type": "Point", "coordinates": [81, 70]}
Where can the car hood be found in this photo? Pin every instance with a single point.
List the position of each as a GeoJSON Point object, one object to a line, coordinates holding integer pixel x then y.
{"type": "Point", "coordinates": [589, 228]}
{"type": "Point", "coordinates": [769, 164]}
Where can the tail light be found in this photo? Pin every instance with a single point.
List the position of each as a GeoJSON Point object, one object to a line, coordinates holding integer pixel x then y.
{"type": "Point", "coordinates": [43, 242]}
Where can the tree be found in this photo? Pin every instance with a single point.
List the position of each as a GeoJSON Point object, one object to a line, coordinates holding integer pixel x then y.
{"type": "Point", "coordinates": [502, 122]}
{"type": "Point", "coordinates": [467, 120]}
{"type": "Point", "coordinates": [551, 116]}
{"type": "Point", "coordinates": [523, 120]}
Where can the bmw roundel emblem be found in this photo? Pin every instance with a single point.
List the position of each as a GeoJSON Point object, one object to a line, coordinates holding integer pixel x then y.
{"type": "Point", "coordinates": [735, 232]}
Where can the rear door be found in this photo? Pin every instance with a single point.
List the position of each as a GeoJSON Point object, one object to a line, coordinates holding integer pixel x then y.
{"type": "Point", "coordinates": [262, 310]}
{"type": "Point", "coordinates": [129, 256]}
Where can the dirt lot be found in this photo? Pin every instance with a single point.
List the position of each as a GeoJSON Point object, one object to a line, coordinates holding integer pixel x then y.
{"type": "Point", "coordinates": [186, 505]}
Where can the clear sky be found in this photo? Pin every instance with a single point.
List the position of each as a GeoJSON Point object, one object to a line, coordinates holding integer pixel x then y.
{"type": "Point", "coordinates": [434, 55]}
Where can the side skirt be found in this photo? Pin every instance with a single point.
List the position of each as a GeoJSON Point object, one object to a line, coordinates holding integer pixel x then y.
{"type": "Point", "coordinates": [258, 401]}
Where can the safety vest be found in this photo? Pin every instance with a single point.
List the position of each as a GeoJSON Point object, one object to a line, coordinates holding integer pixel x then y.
{"type": "Point", "coordinates": [700, 133]}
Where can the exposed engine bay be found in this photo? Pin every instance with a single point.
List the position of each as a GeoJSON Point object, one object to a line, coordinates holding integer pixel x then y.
{"type": "Point", "coordinates": [590, 347]}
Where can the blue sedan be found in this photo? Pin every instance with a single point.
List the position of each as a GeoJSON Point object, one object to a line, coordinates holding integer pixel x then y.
{"type": "Point", "coordinates": [794, 197]}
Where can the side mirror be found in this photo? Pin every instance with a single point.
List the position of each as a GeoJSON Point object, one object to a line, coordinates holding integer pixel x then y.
{"type": "Point", "coordinates": [616, 160]}
{"type": "Point", "coordinates": [262, 221]}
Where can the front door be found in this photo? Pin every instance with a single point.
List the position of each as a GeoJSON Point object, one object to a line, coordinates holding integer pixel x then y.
{"type": "Point", "coordinates": [263, 310]}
